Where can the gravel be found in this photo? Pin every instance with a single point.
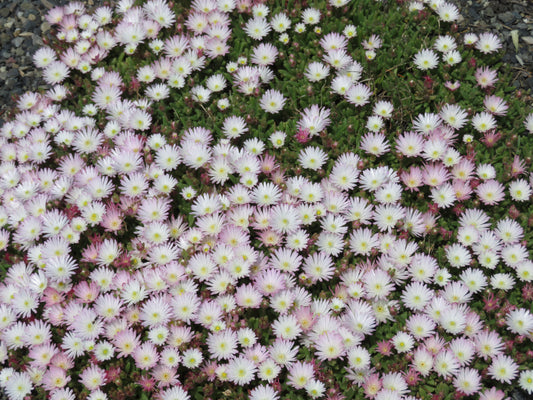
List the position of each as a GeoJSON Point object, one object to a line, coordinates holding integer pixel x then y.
{"type": "Point", "coordinates": [22, 26]}
{"type": "Point", "coordinates": [504, 17]}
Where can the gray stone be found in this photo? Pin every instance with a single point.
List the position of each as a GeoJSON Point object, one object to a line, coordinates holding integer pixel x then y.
{"type": "Point", "coordinates": [26, 5]}
{"type": "Point", "coordinates": [45, 27]}
{"type": "Point", "coordinates": [528, 40]}
{"type": "Point", "coordinates": [18, 41]}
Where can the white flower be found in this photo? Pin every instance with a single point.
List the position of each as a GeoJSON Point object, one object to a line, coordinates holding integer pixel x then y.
{"type": "Point", "coordinates": [280, 22]}
{"type": "Point", "coordinates": [503, 369]}
{"type": "Point", "coordinates": [192, 358]}
{"type": "Point", "coordinates": [528, 123]}
{"type": "Point", "coordinates": [526, 381]}
{"type": "Point", "coordinates": [520, 190]}
{"type": "Point", "coordinates": [426, 59]}
{"type": "Point", "coordinates": [403, 342]}
{"type": "Point", "coordinates": [257, 28]}
{"type": "Point", "coordinates": [312, 158]}
{"type": "Point", "coordinates": [452, 57]}
{"type": "Point", "coordinates": [502, 281]}
{"type": "Point", "coordinates": [311, 16]}
{"type": "Point", "coordinates": [483, 122]}
{"type": "Point", "coordinates": [316, 71]}
{"type": "Point", "coordinates": [278, 139]}
{"type": "Point", "coordinates": [272, 101]}
{"type": "Point", "coordinates": [349, 31]}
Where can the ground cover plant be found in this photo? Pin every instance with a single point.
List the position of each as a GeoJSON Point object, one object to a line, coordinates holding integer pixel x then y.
{"type": "Point", "coordinates": [267, 200]}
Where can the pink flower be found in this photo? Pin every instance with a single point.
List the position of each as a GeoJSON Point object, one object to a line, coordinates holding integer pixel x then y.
{"type": "Point", "coordinates": [412, 178]}
{"type": "Point", "coordinates": [518, 167]}
{"type": "Point", "coordinates": [113, 218]}
{"type": "Point", "coordinates": [384, 348]}
{"type": "Point", "coordinates": [372, 385]}
{"type": "Point", "coordinates": [302, 136]}
{"type": "Point", "coordinates": [55, 378]}
{"type": "Point", "coordinates": [86, 292]}
{"type": "Point", "coordinates": [486, 77]}
{"type": "Point", "coordinates": [452, 86]}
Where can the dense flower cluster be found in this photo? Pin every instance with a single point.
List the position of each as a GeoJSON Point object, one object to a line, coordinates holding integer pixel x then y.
{"type": "Point", "coordinates": [198, 256]}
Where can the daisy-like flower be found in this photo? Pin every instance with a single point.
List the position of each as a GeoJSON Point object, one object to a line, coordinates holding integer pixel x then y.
{"type": "Point", "coordinates": [425, 123]}
{"type": "Point", "coordinates": [486, 77]}
{"type": "Point", "coordinates": [264, 54]}
{"type": "Point", "coordinates": [18, 386]}
{"type": "Point", "coordinates": [426, 59]}
{"type": "Point", "coordinates": [503, 369]}
{"type": "Point", "coordinates": [280, 22]}
{"type": "Point", "coordinates": [55, 72]}
{"type": "Point", "coordinates": [349, 31]}
{"type": "Point", "coordinates": [520, 321]}
{"type": "Point", "coordinates": [403, 342]}
{"type": "Point", "coordinates": [216, 83]}
{"type": "Point", "coordinates": [486, 171]}
{"type": "Point", "coordinates": [452, 57]}
{"type": "Point", "coordinates": [257, 28]}
{"type": "Point", "coordinates": [200, 94]}
{"type": "Point", "coordinates": [375, 143]}
{"type": "Point", "coordinates": [191, 358]}
{"type": "Point", "coordinates": [383, 108]}
{"type": "Point", "coordinates": [314, 119]}
{"type": "Point", "coordinates": [448, 12]}
{"type": "Point", "coordinates": [222, 345]}
{"type": "Point", "coordinates": [329, 346]}
{"type": "Point", "coordinates": [234, 127]}
{"type": "Point", "coordinates": [444, 195]}
{"type": "Point", "coordinates": [458, 256]}
{"type": "Point", "coordinates": [358, 94]}
{"type": "Point", "coordinates": [520, 190]}
{"type": "Point", "coordinates": [490, 192]}
{"type": "Point", "coordinates": [241, 370]}
{"type": "Point", "coordinates": [416, 295]}
{"type": "Point", "coordinates": [300, 373]}
{"type": "Point", "coordinates": [483, 122]}
{"type": "Point", "coordinates": [454, 115]}
{"type": "Point", "coordinates": [467, 380]}
{"type": "Point", "coordinates": [314, 387]}
{"type": "Point", "coordinates": [316, 71]}
{"type": "Point", "coordinates": [445, 363]}
{"type": "Point", "coordinates": [311, 16]}
{"type": "Point", "coordinates": [319, 267]}
{"type": "Point", "coordinates": [488, 43]}
{"type": "Point", "coordinates": [528, 123]}
{"type": "Point", "coordinates": [338, 58]}
{"type": "Point", "coordinates": [495, 105]}
{"type": "Point", "coordinates": [272, 101]}
{"type": "Point", "coordinates": [526, 381]}
{"type": "Point", "coordinates": [263, 392]}
{"type": "Point", "coordinates": [445, 44]}
{"type": "Point", "coordinates": [410, 144]}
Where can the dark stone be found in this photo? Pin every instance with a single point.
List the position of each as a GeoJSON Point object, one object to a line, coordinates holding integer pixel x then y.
{"type": "Point", "coordinates": [12, 73]}
{"type": "Point", "coordinates": [30, 26]}
{"type": "Point", "coordinates": [508, 17]}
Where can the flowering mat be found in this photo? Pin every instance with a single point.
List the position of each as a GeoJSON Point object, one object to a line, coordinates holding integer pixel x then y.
{"type": "Point", "coordinates": [270, 200]}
